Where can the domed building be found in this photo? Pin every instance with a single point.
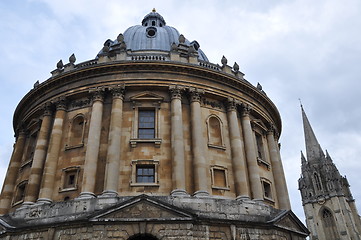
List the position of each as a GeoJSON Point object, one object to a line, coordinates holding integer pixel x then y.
{"type": "Point", "coordinates": [149, 140]}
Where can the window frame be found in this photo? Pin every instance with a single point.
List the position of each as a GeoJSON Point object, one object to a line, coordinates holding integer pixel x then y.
{"type": "Point", "coordinates": [16, 199]}
{"type": "Point", "coordinates": [270, 198]}
{"type": "Point", "coordinates": [69, 145]}
{"type": "Point", "coordinates": [143, 162]}
{"type": "Point", "coordinates": [146, 101]}
{"type": "Point", "coordinates": [210, 143]}
{"type": "Point", "coordinates": [64, 178]}
{"type": "Point", "coordinates": [219, 168]}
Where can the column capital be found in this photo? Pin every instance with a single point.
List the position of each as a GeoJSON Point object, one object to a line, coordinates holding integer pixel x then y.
{"type": "Point", "coordinates": [117, 91]}
{"type": "Point", "coordinates": [176, 92]}
{"type": "Point", "coordinates": [47, 109]}
{"type": "Point", "coordinates": [232, 104]}
{"type": "Point", "coordinates": [271, 129]}
{"type": "Point", "coordinates": [246, 110]}
{"type": "Point", "coordinates": [60, 103]}
{"type": "Point", "coordinates": [97, 94]}
{"type": "Point", "coordinates": [195, 94]}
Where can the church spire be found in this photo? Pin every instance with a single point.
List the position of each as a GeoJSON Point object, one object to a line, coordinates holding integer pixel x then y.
{"type": "Point", "coordinates": [313, 148]}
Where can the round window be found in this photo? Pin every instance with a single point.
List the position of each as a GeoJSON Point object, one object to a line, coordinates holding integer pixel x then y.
{"type": "Point", "coordinates": [151, 32]}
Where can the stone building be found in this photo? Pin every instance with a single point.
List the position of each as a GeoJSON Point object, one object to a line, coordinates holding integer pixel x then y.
{"type": "Point", "coordinates": [149, 140]}
{"type": "Point", "coordinates": [326, 197]}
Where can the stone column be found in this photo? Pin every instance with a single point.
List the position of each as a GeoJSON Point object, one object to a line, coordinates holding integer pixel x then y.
{"type": "Point", "coordinates": [114, 144]}
{"type": "Point", "coordinates": [238, 156]}
{"type": "Point", "coordinates": [178, 164]}
{"type": "Point", "coordinates": [200, 164]}
{"type": "Point", "coordinates": [92, 148]}
{"type": "Point", "coordinates": [253, 169]}
{"type": "Point", "coordinates": [37, 166]}
{"type": "Point", "coordinates": [12, 173]}
{"type": "Point", "coordinates": [51, 162]}
{"type": "Point", "coordinates": [278, 173]}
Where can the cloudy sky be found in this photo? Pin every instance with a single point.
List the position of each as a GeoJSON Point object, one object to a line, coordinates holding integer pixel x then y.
{"type": "Point", "coordinates": [295, 48]}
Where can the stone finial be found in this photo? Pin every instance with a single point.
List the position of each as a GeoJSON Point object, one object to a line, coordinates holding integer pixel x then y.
{"type": "Point", "coordinates": [259, 86]}
{"type": "Point", "coordinates": [36, 84]}
{"type": "Point", "coordinates": [192, 50]}
{"type": "Point", "coordinates": [60, 64]}
{"type": "Point", "coordinates": [174, 47]}
{"type": "Point", "coordinates": [106, 49]}
{"type": "Point", "coordinates": [235, 67]}
{"type": "Point", "coordinates": [123, 46]}
{"type": "Point", "coordinates": [224, 61]}
{"type": "Point", "coordinates": [120, 38]}
{"type": "Point", "coordinates": [72, 59]}
{"type": "Point", "coordinates": [182, 39]}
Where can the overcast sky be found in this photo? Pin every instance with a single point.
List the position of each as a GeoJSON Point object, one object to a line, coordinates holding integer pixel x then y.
{"type": "Point", "coordinates": [294, 48]}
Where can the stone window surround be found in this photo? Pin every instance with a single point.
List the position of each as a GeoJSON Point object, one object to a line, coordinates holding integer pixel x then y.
{"type": "Point", "coordinates": [210, 144]}
{"type": "Point", "coordinates": [222, 168]}
{"type": "Point", "coordinates": [134, 163]}
{"type": "Point", "coordinates": [266, 181]}
{"type": "Point", "coordinates": [68, 145]}
{"type": "Point", "coordinates": [151, 102]}
{"type": "Point", "coordinates": [65, 173]}
{"type": "Point", "coordinates": [16, 195]}
{"type": "Point", "coordinates": [260, 130]}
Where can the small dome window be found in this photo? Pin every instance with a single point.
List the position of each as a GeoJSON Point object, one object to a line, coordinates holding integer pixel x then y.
{"type": "Point", "coordinates": [153, 23]}
{"type": "Point", "coordinates": [151, 32]}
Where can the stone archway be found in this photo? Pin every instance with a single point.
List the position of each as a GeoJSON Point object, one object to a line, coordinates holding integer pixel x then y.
{"type": "Point", "coordinates": [142, 237]}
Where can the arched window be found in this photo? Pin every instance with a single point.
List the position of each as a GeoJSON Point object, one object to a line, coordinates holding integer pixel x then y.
{"type": "Point", "coordinates": [76, 136]}
{"type": "Point", "coordinates": [329, 225]}
{"type": "Point", "coordinates": [317, 182]}
{"type": "Point", "coordinates": [214, 126]}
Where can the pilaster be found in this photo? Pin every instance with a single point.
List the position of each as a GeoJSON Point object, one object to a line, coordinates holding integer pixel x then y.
{"type": "Point", "coordinates": [47, 185]}
{"type": "Point", "coordinates": [177, 141]}
{"type": "Point", "coordinates": [237, 148]}
{"type": "Point", "coordinates": [114, 143]}
{"type": "Point", "coordinates": [253, 169]}
{"type": "Point", "coordinates": [92, 148]}
{"type": "Point", "coordinates": [199, 160]}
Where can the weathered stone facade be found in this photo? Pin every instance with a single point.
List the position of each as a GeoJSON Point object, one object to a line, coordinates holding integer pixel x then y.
{"type": "Point", "coordinates": [156, 119]}
{"type": "Point", "coordinates": [326, 196]}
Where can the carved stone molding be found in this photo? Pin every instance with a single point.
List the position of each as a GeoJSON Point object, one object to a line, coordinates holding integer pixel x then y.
{"type": "Point", "coordinates": [195, 94]}
{"type": "Point", "coordinates": [246, 109]}
{"type": "Point", "coordinates": [97, 94]}
{"type": "Point", "coordinates": [117, 91]}
{"type": "Point", "coordinates": [60, 103]}
{"type": "Point", "coordinates": [232, 104]}
{"type": "Point", "coordinates": [175, 91]}
{"type": "Point", "coordinates": [48, 109]}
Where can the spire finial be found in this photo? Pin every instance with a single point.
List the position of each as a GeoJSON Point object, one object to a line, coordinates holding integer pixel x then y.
{"type": "Point", "coordinates": [299, 99]}
{"type": "Point", "coordinates": [154, 10]}
{"type": "Point", "coordinates": [313, 148]}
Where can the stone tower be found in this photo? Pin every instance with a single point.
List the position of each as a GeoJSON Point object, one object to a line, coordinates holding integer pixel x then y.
{"type": "Point", "coordinates": [326, 197]}
{"type": "Point", "coordinates": [149, 140]}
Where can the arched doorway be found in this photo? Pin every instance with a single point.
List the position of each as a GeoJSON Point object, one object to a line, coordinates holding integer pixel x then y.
{"type": "Point", "coordinates": [329, 225]}
{"type": "Point", "coordinates": [142, 237]}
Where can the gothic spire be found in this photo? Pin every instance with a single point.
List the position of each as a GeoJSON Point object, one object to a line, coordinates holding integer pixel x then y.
{"type": "Point", "coordinates": [303, 159]}
{"type": "Point", "coordinates": [313, 148]}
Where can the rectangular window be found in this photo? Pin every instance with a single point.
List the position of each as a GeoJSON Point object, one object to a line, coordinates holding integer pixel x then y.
{"type": "Point", "coordinates": [145, 173]}
{"type": "Point", "coordinates": [267, 190]}
{"type": "Point", "coordinates": [220, 178]}
{"type": "Point", "coordinates": [260, 151]}
{"type": "Point", "coordinates": [69, 179]}
{"type": "Point", "coordinates": [20, 192]}
{"type": "Point", "coordinates": [146, 124]}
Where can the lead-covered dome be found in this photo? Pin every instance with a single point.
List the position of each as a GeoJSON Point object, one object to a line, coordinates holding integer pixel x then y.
{"type": "Point", "coordinates": [152, 35]}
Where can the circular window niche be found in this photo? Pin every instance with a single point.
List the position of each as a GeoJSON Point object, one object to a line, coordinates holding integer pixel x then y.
{"type": "Point", "coordinates": [151, 32]}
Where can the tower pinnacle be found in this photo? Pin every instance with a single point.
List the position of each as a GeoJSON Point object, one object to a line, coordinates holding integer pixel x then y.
{"type": "Point", "coordinates": [313, 148]}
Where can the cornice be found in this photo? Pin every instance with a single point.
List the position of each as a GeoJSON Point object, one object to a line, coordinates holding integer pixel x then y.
{"type": "Point", "coordinates": [116, 67]}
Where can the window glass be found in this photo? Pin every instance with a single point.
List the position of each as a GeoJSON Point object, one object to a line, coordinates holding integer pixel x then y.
{"type": "Point", "coordinates": [145, 173]}
{"type": "Point", "coordinates": [146, 124]}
